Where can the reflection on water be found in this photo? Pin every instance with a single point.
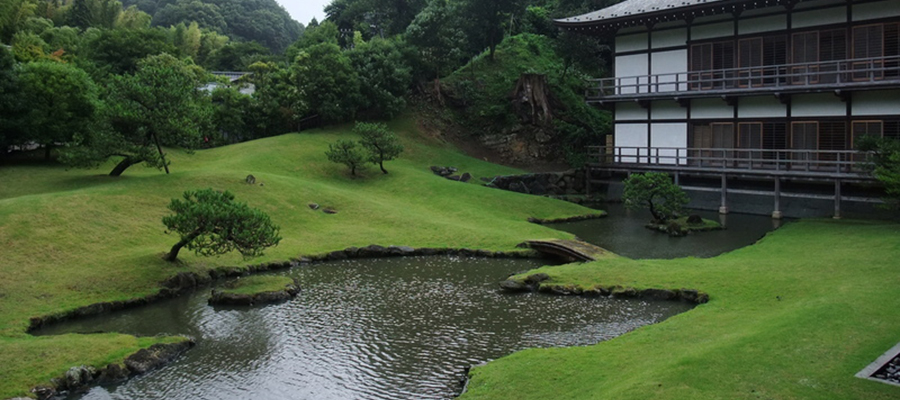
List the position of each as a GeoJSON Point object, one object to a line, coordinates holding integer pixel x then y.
{"type": "Point", "coordinates": [364, 329]}
{"type": "Point", "coordinates": [623, 233]}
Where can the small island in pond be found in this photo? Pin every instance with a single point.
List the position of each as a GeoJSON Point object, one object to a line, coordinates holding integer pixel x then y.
{"type": "Point", "coordinates": [255, 290]}
{"type": "Point", "coordinates": [683, 225]}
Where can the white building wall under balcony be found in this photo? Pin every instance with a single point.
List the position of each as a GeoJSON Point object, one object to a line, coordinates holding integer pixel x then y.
{"type": "Point", "coordinates": [826, 16]}
{"type": "Point", "coordinates": [630, 112]}
{"type": "Point", "coordinates": [631, 74]}
{"type": "Point", "coordinates": [669, 67]}
{"type": "Point", "coordinates": [711, 109]}
{"type": "Point", "coordinates": [762, 24]}
{"type": "Point", "coordinates": [668, 136]}
{"type": "Point", "coordinates": [631, 135]}
{"type": "Point", "coordinates": [669, 38]}
{"type": "Point", "coordinates": [667, 109]}
{"type": "Point", "coordinates": [818, 105]}
{"type": "Point", "coordinates": [761, 107]}
{"type": "Point", "coordinates": [632, 42]}
{"type": "Point", "coordinates": [880, 102]}
{"type": "Point", "coordinates": [881, 9]}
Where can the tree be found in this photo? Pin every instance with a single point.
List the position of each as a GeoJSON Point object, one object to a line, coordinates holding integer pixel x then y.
{"type": "Point", "coordinates": [438, 38]}
{"type": "Point", "coordinates": [487, 19]}
{"type": "Point", "coordinates": [379, 142]}
{"type": "Point", "coordinates": [61, 102]}
{"type": "Point", "coordinates": [655, 191]}
{"type": "Point", "coordinates": [344, 152]}
{"type": "Point", "coordinates": [11, 108]}
{"type": "Point", "coordinates": [384, 75]}
{"type": "Point", "coordinates": [210, 223]}
{"type": "Point", "coordinates": [884, 164]}
{"type": "Point", "coordinates": [159, 105]}
{"type": "Point", "coordinates": [327, 82]}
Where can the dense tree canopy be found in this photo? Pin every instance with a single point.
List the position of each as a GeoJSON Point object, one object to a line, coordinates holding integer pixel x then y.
{"type": "Point", "coordinates": [656, 192]}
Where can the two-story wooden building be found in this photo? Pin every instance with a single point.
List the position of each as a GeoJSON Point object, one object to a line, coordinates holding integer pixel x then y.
{"type": "Point", "coordinates": [775, 84]}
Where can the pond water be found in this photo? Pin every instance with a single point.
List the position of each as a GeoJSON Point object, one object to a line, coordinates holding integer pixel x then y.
{"type": "Point", "coordinates": [623, 233]}
{"type": "Point", "coordinates": [364, 329]}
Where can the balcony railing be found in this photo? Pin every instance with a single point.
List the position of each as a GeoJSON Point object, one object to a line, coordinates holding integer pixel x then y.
{"type": "Point", "coordinates": [836, 74]}
{"type": "Point", "coordinates": [765, 161]}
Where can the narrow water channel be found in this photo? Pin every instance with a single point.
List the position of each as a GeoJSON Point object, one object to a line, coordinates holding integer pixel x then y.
{"type": "Point", "coordinates": [400, 328]}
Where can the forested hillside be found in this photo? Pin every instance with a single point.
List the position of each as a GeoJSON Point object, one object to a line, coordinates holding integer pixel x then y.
{"type": "Point", "coordinates": [71, 71]}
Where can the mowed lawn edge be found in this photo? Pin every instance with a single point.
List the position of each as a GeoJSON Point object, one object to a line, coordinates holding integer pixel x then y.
{"type": "Point", "coordinates": [72, 238]}
{"type": "Point", "coordinates": [794, 316]}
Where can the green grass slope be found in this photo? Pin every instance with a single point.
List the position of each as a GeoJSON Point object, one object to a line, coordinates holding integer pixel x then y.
{"type": "Point", "coordinates": [793, 317]}
{"type": "Point", "coordinates": [74, 238]}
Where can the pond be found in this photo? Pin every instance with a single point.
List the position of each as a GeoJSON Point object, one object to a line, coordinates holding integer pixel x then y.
{"type": "Point", "coordinates": [364, 329]}
{"type": "Point", "coordinates": [623, 233]}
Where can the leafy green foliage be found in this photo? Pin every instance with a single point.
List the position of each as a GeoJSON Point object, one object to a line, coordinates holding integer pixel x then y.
{"type": "Point", "coordinates": [327, 82]}
{"type": "Point", "coordinates": [61, 102]}
{"type": "Point", "coordinates": [158, 105]}
{"type": "Point", "coordinates": [439, 39]}
{"type": "Point", "coordinates": [344, 152]}
{"type": "Point", "coordinates": [11, 108]}
{"type": "Point", "coordinates": [211, 223]}
{"type": "Point", "coordinates": [384, 75]}
{"type": "Point", "coordinates": [186, 11]}
{"type": "Point", "coordinates": [884, 165]}
{"type": "Point", "coordinates": [117, 51]}
{"type": "Point", "coordinates": [656, 192]}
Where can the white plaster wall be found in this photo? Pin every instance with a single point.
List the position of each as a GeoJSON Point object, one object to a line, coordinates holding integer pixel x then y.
{"type": "Point", "coordinates": [881, 9]}
{"type": "Point", "coordinates": [762, 24]}
{"type": "Point", "coordinates": [633, 69]}
{"type": "Point", "coordinates": [761, 107]}
{"type": "Point", "coordinates": [669, 38]}
{"type": "Point", "coordinates": [818, 105]}
{"type": "Point", "coordinates": [711, 109]}
{"type": "Point", "coordinates": [666, 63]}
{"type": "Point", "coordinates": [668, 135]}
{"type": "Point", "coordinates": [881, 102]}
{"type": "Point", "coordinates": [634, 42]}
{"type": "Point", "coordinates": [722, 29]}
{"type": "Point", "coordinates": [825, 16]}
{"type": "Point", "coordinates": [631, 135]}
{"type": "Point", "coordinates": [667, 109]}
{"type": "Point", "coordinates": [630, 112]}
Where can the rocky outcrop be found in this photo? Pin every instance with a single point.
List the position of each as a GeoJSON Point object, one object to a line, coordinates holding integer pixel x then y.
{"type": "Point", "coordinates": [552, 183]}
{"type": "Point", "coordinates": [224, 298]}
{"type": "Point", "coordinates": [81, 377]}
{"type": "Point", "coordinates": [535, 282]}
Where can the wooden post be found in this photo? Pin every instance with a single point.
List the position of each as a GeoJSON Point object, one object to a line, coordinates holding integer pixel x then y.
{"type": "Point", "coordinates": [837, 199]}
{"type": "Point", "coordinates": [587, 180]}
{"type": "Point", "coordinates": [776, 214]}
{"type": "Point", "coordinates": [723, 208]}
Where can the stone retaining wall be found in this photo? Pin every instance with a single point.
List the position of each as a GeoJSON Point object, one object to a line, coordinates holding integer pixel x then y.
{"type": "Point", "coordinates": [549, 183]}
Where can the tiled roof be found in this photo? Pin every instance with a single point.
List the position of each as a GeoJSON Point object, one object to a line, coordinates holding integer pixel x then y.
{"type": "Point", "coordinates": [629, 8]}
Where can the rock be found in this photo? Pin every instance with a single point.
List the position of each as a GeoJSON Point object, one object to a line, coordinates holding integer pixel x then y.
{"type": "Point", "coordinates": [436, 170]}
{"type": "Point", "coordinates": [250, 179]}
{"type": "Point", "coordinates": [313, 206]}
{"type": "Point", "coordinates": [372, 251]}
{"type": "Point", "coordinates": [514, 286]}
{"type": "Point", "coordinates": [79, 377]}
{"type": "Point", "coordinates": [659, 294]}
{"type": "Point", "coordinates": [155, 356]}
{"type": "Point", "coordinates": [619, 291]}
{"type": "Point", "coordinates": [337, 255]}
{"type": "Point", "coordinates": [329, 210]}
{"type": "Point", "coordinates": [465, 177]}
{"type": "Point", "coordinates": [111, 374]}
{"type": "Point", "coordinates": [694, 219]}
{"type": "Point", "coordinates": [43, 392]}
{"type": "Point", "coordinates": [536, 278]}
{"type": "Point", "coordinates": [454, 177]}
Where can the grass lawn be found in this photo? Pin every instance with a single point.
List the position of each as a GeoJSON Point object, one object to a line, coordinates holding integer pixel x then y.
{"type": "Point", "coordinates": [78, 237]}
{"type": "Point", "coordinates": [792, 317]}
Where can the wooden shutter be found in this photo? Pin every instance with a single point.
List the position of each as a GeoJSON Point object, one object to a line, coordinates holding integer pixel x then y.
{"type": "Point", "coordinates": [804, 50]}
{"type": "Point", "coordinates": [868, 43]}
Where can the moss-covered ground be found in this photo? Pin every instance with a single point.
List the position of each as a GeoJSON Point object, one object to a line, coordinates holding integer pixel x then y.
{"type": "Point", "coordinates": [71, 238]}
{"type": "Point", "coordinates": [792, 317]}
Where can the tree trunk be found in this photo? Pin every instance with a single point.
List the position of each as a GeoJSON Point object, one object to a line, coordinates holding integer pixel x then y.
{"type": "Point", "coordinates": [161, 154]}
{"type": "Point", "coordinates": [173, 254]}
{"type": "Point", "coordinates": [47, 148]}
{"type": "Point", "coordinates": [122, 166]}
{"type": "Point", "coordinates": [531, 99]}
{"type": "Point", "coordinates": [381, 165]}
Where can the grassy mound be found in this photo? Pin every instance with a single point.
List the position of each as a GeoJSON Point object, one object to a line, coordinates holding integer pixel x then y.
{"type": "Point", "coordinates": [792, 317]}
{"type": "Point", "coordinates": [257, 284]}
{"type": "Point", "coordinates": [74, 238]}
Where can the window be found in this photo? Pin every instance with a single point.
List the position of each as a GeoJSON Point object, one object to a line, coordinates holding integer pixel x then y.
{"type": "Point", "coordinates": [708, 60]}
{"type": "Point", "coordinates": [804, 136]}
{"type": "Point", "coordinates": [719, 135]}
{"type": "Point", "coordinates": [865, 128]}
{"type": "Point", "coordinates": [761, 60]}
{"type": "Point", "coordinates": [868, 49]}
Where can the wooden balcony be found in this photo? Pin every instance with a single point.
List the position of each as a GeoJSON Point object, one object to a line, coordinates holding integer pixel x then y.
{"type": "Point", "coordinates": [812, 165]}
{"type": "Point", "coordinates": [838, 76]}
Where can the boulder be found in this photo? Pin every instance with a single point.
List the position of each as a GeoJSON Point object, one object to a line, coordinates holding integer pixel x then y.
{"type": "Point", "coordinates": [694, 219]}
{"type": "Point", "coordinates": [465, 177]}
{"type": "Point", "coordinates": [313, 206]}
{"type": "Point", "coordinates": [514, 286]}
{"type": "Point", "coordinates": [155, 356]}
{"type": "Point", "coordinates": [659, 294]}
